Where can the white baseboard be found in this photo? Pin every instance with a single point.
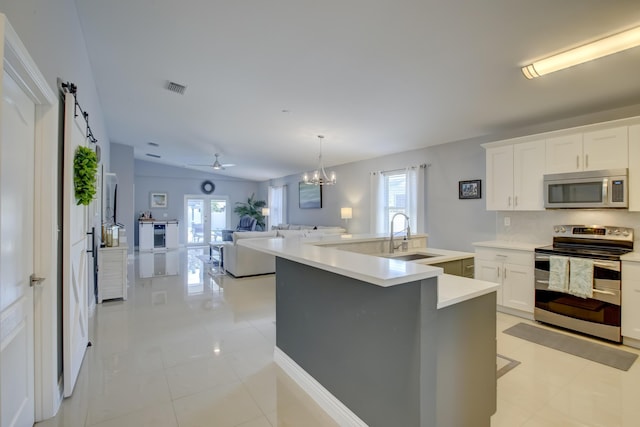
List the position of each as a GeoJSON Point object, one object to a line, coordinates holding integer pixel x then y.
{"type": "Point", "coordinates": [515, 312]}
{"type": "Point", "coordinates": [327, 401]}
{"type": "Point", "coordinates": [631, 342]}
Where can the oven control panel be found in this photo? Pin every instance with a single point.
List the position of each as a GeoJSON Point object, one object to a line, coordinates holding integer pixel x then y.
{"type": "Point", "coordinates": [594, 232]}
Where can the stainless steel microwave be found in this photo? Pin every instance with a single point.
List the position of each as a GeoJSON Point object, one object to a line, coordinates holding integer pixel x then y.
{"type": "Point", "coordinates": [602, 189]}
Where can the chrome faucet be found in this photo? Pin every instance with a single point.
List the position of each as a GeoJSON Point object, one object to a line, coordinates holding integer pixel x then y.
{"type": "Point", "coordinates": [408, 236]}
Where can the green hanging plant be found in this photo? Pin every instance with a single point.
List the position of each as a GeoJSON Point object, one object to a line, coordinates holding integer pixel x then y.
{"type": "Point", "coordinates": [85, 167]}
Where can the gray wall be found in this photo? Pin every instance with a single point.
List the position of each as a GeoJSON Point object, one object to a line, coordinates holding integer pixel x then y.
{"type": "Point", "coordinates": [451, 223]}
{"type": "Point", "coordinates": [177, 182]}
{"type": "Point", "coordinates": [122, 164]}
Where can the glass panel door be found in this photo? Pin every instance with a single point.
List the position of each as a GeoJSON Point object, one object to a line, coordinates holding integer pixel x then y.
{"type": "Point", "coordinates": [194, 220]}
{"type": "Point", "coordinates": [218, 219]}
{"type": "Point", "coordinates": [205, 218]}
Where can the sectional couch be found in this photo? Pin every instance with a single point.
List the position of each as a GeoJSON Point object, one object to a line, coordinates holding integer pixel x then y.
{"type": "Point", "coordinates": [241, 261]}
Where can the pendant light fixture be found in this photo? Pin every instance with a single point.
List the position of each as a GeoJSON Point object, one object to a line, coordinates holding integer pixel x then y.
{"type": "Point", "coordinates": [319, 176]}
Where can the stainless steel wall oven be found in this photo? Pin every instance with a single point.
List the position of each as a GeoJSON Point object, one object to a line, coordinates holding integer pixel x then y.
{"type": "Point", "coordinates": [600, 314]}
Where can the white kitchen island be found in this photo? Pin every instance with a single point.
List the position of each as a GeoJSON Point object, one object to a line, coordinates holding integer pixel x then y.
{"type": "Point", "coordinates": [379, 341]}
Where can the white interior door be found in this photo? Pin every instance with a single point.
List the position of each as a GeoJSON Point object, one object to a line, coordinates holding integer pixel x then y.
{"type": "Point", "coordinates": [75, 323]}
{"type": "Point", "coordinates": [16, 256]}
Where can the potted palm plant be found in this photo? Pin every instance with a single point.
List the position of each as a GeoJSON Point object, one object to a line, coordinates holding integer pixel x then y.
{"type": "Point", "coordinates": [252, 208]}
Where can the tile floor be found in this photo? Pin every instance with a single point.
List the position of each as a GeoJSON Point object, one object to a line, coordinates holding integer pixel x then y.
{"type": "Point", "coordinates": [194, 350]}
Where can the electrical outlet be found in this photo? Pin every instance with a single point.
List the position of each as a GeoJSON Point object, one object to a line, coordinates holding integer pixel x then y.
{"type": "Point", "coordinates": [507, 221]}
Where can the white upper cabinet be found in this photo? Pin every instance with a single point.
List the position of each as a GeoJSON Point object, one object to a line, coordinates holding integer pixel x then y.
{"type": "Point", "coordinates": [514, 176]}
{"type": "Point", "coordinates": [634, 168]}
{"type": "Point", "coordinates": [595, 150]}
{"type": "Point", "coordinates": [500, 178]}
{"type": "Point", "coordinates": [606, 149]}
{"type": "Point", "coordinates": [528, 172]}
{"type": "Point", "coordinates": [564, 154]}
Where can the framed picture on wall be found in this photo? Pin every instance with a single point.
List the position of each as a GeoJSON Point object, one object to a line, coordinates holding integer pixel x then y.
{"type": "Point", "coordinates": [470, 189]}
{"type": "Point", "coordinates": [310, 196]}
{"type": "Point", "coordinates": [158, 200]}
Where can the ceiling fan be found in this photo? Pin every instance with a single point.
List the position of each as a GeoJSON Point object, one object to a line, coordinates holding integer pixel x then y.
{"type": "Point", "coordinates": [217, 165]}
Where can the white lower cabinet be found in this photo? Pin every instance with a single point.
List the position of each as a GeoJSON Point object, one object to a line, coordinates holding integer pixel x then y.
{"type": "Point", "coordinates": [630, 299]}
{"type": "Point", "coordinates": [171, 235]}
{"type": "Point", "coordinates": [513, 270]}
{"type": "Point", "coordinates": [112, 273]}
{"type": "Point", "coordinates": [145, 236]}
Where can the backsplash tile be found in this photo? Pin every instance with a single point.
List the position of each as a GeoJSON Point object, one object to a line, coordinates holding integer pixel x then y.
{"type": "Point", "coordinates": [537, 227]}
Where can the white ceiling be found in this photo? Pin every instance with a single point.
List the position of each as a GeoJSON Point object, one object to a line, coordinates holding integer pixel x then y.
{"type": "Point", "coordinates": [374, 76]}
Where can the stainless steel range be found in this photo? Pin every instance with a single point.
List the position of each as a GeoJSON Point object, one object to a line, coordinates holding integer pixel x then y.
{"type": "Point", "coordinates": [599, 314]}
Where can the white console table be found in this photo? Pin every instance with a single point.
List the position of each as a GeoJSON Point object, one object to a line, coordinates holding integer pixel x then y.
{"type": "Point", "coordinates": [112, 273]}
{"type": "Point", "coordinates": [157, 235]}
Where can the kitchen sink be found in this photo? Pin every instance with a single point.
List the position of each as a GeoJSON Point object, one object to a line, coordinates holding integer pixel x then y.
{"type": "Point", "coordinates": [410, 257]}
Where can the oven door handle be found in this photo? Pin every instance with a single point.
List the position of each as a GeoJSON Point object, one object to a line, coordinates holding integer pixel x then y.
{"type": "Point", "coordinates": [608, 265]}
{"type": "Point", "coordinates": [542, 282]}
{"type": "Point", "coordinates": [603, 292]}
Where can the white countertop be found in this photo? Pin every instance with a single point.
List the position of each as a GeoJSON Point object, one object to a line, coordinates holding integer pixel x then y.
{"type": "Point", "coordinates": [454, 289]}
{"type": "Point", "coordinates": [377, 270]}
{"type": "Point", "coordinates": [632, 256]}
{"type": "Point", "coordinates": [505, 244]}
{"type": "Point", "coordinates": [333, 239]}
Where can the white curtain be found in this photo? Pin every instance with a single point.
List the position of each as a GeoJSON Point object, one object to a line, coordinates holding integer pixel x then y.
{"type": "Point", "coordinates": [377, 208]}
{"type": "Point", "coordinates": [277, 205]}
{"type": "Point", "coordinates": [416, 198]}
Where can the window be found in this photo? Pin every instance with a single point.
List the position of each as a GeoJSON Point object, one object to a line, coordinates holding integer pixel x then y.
{"type": "Point", "coordinates": [398, 191]}
{"type": "Point", "coordinates": [277, 206]}
{"type": "Point", "coordinates": [395, 190]}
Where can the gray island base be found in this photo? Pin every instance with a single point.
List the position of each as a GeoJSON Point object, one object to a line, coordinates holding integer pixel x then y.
{"type": "Point", "coordinates": [387, 353]}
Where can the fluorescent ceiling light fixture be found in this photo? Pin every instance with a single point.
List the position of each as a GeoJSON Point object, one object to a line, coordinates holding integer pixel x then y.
{"type": "Point", "coordinates": [588, 52]}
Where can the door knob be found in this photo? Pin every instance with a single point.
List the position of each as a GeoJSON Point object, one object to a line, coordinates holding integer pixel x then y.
{"type": "Point", "coordinates": [35, 280]}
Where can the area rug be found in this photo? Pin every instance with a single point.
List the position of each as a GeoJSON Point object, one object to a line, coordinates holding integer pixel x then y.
{"type": "Point", "coordinates": [595, 352]}
{"type": "Point", "coordinates": [505, 364]}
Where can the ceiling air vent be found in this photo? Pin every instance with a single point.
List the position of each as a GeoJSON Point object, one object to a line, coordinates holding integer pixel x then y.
{"type": "Point", "coordinates": [176, 87]}
{"type": "Point", "coordinates": [153, 155]}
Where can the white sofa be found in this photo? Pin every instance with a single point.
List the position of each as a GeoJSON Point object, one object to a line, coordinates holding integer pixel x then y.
{"type": "Point", "coordinates": [241, 261]}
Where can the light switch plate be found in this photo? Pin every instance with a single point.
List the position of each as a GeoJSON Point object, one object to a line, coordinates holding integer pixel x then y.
{"type": "Point", "coordinates": [507, 221]}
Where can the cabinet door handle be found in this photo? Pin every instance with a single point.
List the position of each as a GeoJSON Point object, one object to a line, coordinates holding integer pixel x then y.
{"type": "Point", "coordinates": [509, 201]}
{"type": "Point", "coordinates": [498, 271]}
{"type": "Point", "coordinates": [577, 162]}
{"type": "Point", "coordinates": [504, 276]}
{"type": "Point", "coordinates": [586, 161]}
{"type": "Point", "coordinates": [516, 201]}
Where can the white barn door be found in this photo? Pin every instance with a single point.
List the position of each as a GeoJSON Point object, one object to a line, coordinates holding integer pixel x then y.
{"type": "Point", "coordinates": [75, 269]}
{"type": "Point", "coordinates": [16, 255]}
